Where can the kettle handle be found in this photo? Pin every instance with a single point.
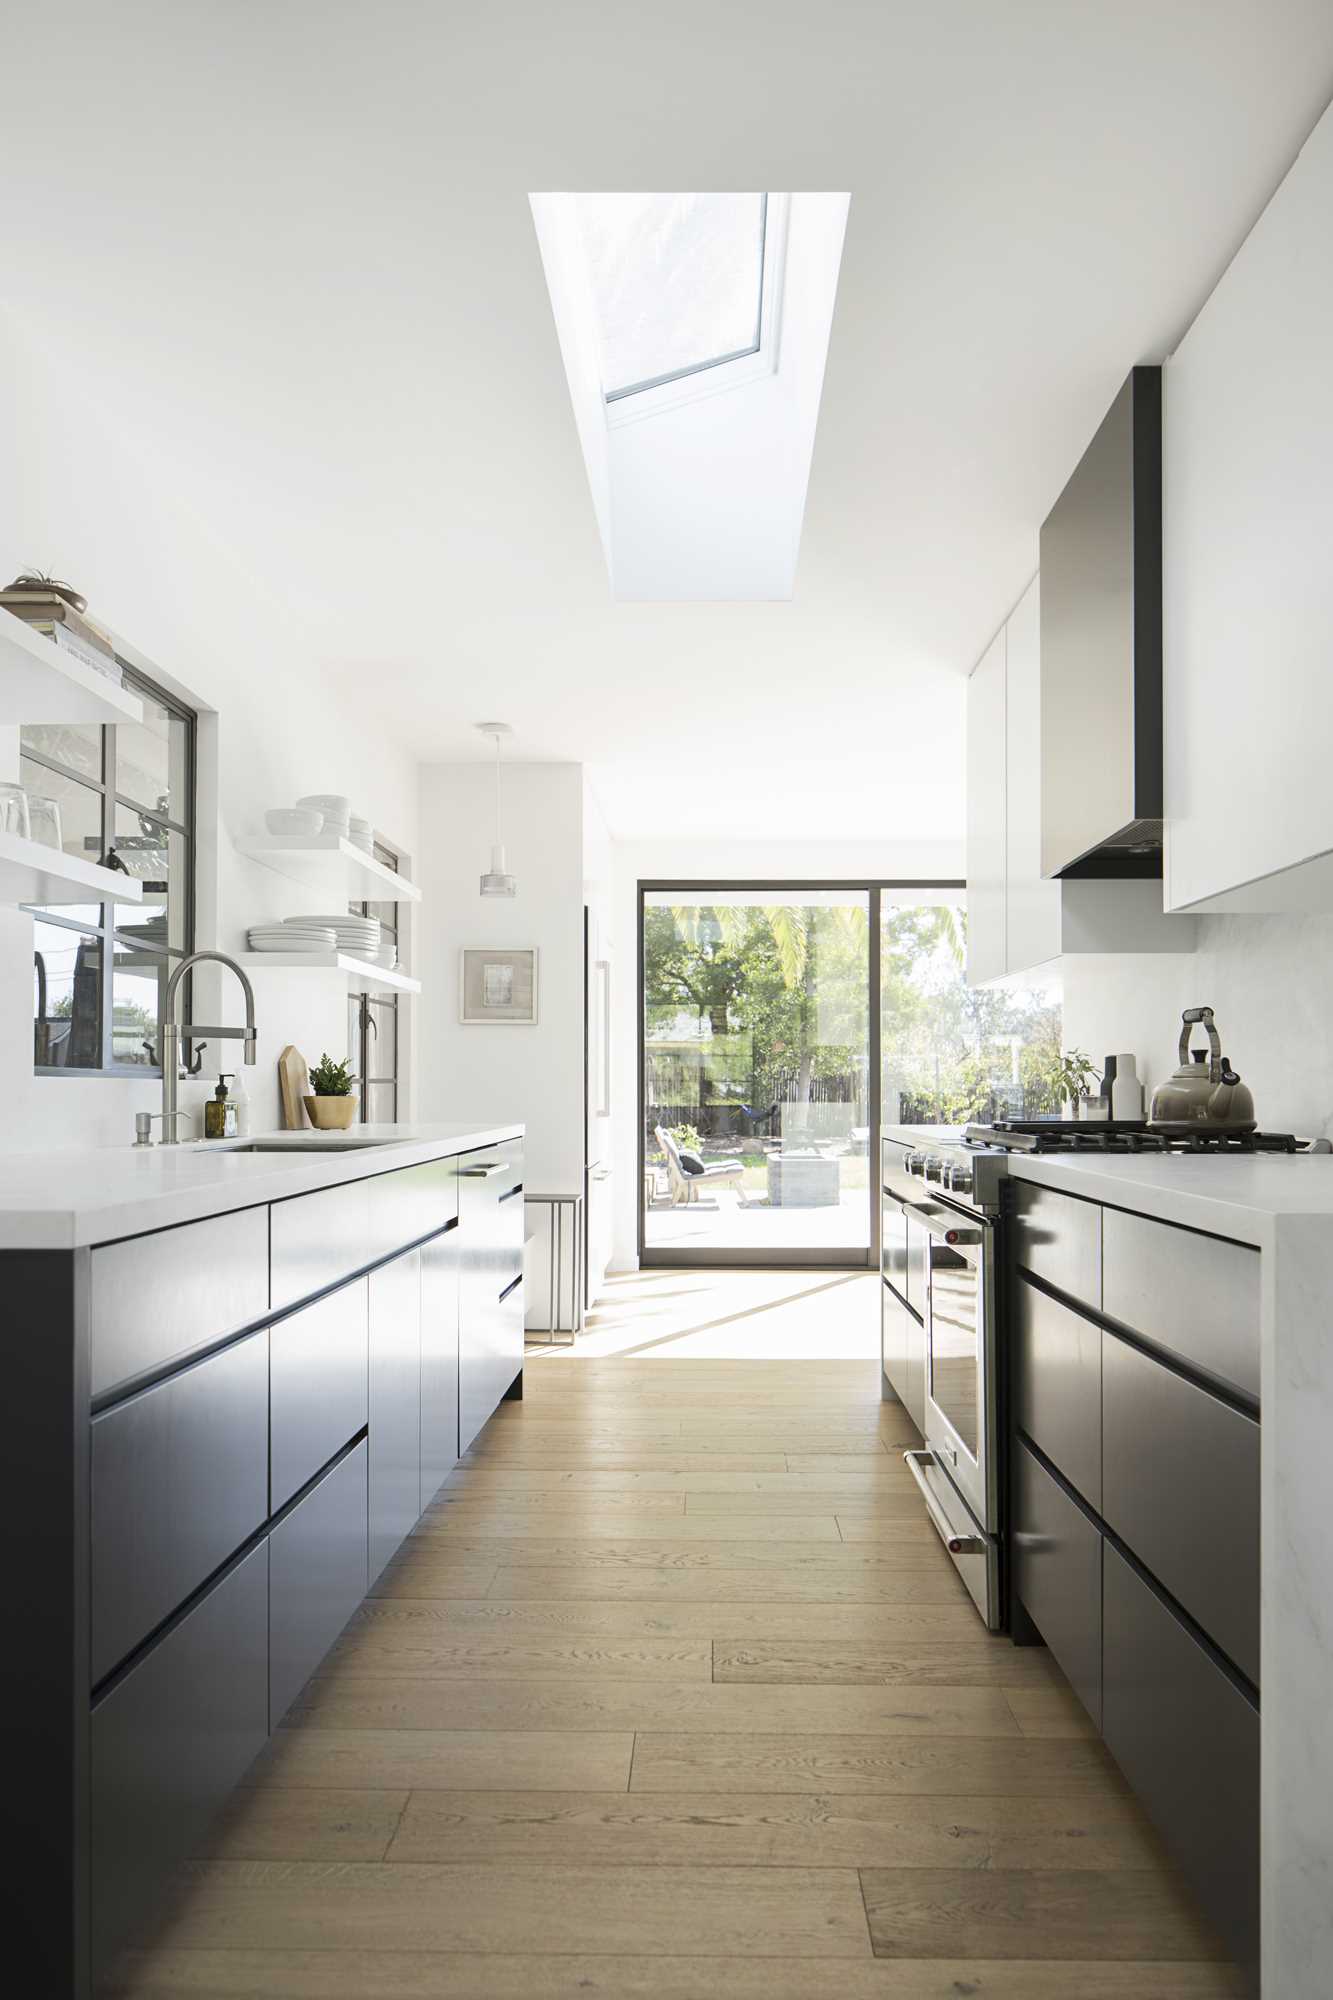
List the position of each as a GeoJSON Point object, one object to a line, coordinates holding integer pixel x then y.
{"type": "Point", "coordinates": [1190, 1017]}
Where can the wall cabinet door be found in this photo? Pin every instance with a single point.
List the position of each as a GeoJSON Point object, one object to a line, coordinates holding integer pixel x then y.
{"type": "Point", "coordinates": [440, 1261]}
{"type": "Point", "coordinates": [394, 1405]}
{"type": "Point", "coordinates": [1032, 906]}
{"type": "Point", "coordinates": [986, 817]}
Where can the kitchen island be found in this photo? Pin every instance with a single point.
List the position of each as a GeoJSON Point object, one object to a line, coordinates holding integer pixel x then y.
{"type": "Point", "coordinates": [237, 1374]}
{"type": "Point", "coordinates": [1281, 1207]}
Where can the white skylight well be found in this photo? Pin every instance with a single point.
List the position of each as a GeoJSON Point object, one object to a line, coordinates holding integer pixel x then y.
{"type": "Point", "coordinates": [677, 283]}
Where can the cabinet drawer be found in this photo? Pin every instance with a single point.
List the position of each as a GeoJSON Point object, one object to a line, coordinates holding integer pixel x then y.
{"type": "Point", "coordinates": [317, 1387]}
{"type": "Point", "coordinates": [440, 1260]}
{"type": "Point", "coordinates": [1059, 1239]}
{"type": "Point", "coordinates": [179, 1480]}
{"type": "Point", "coordinates": [496, 1169]}
{"type": "Point", "coordinates": [893, 1343]}
{"type": "Point", "coordinates": [168, 1743]}
{"type": "Point", "coordinates": [317, 1577]}
{"type": "Point", "coordinates": [158, 1299]}
{"type": "Point", "coordinates": [394, 1405]}
{"type": "Point", "coordinates": [1195, 1296]}
{"type": "Point", "coordinates": [490, 1353]}
{"type": "Point", "coordinates": [410, 1203]}
{"type": "Point", "coordinates": [318, 1239]}
{"type": "Point", "coordinates": [1058, 1386]}
{"type": "Point", "coordinates": [1188, 1742]}
{"type": "Point", "coordinates": [1181, 1488]}
{"type": "Point", "coordinates": [1058, 1576]}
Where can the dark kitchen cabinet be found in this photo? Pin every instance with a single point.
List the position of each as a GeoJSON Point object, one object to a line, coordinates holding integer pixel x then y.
{"type": "Point", "coordinates": [1059, 1239]}
{"type": "Point", "coordinates": [1057, 1557]}
{"type": "Point", "coordinates": [893, 1342]}
{"type": "Point", "coordinates": [179, 1481]}
{"type": "Point", "coordinates": [440, 1260]}
{"type": "Point", "coordinates": [1194, 1296]}
{"type": "Point", "coordinates": [1058, 1385]}
{"type": "Point", "coordinates": [317, 1577]}
{"type": "Point", "coordinates": [490, 1216]}
{"type": "Point", "coordinates": [394, 1406]}
{"type": "Point", "coordinates": [317, 1376]}
{"type": "Point", "coordinates": [1181, 1488]}
{"type": "Point", "coordinates": [1187, 1739]}
{"type": "Point", "coordinates": [159, 1298]}
{"type": "Point", "coordinates": [168, 1743]}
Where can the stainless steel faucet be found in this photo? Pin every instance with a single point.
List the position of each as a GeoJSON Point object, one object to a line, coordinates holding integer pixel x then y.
{"type": "Point", "coordinates": [169, 1037]}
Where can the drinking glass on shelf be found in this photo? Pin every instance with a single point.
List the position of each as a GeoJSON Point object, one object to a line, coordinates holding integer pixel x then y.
{"type": "Point", "coordinates": [44, 820]}
{"type": "Point", "coordinates": [14, 811]}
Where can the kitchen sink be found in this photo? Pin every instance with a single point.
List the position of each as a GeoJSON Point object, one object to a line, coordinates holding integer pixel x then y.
{"type": "Point", "coordinates": [310, 1143]}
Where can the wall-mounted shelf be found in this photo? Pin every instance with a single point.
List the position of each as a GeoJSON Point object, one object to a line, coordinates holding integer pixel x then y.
{"type": "Point", "coordinates": [325, 859]}
{"type": "Point", "coordinates": [32, 873]}
{"type": "Point", "coordinates": [364, 977]}
{"type": "Point", "coordinates": [40, 682]}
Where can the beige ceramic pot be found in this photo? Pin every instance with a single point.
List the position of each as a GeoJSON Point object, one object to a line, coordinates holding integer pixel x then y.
{"type": "Point", "coordinates": [331, 1114]}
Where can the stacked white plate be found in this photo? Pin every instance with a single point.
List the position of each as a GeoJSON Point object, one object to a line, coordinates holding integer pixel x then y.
{"type": "Point", "coordinates": [336, 808]}
{"type": "Point", "coordinates": [294, 938]}
{"type": "Point", "coordinates": [359, 937]}
{"type": "Point", "coordinates": [361, 834]}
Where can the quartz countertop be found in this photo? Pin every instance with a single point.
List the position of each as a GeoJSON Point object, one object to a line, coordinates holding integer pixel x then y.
{"type": "Point", "coordinates": [66, 1200]}
{"type": "Point", "coordinates": [1241, 1195]}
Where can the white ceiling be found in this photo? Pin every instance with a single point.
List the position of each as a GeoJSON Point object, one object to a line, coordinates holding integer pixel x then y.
{"type": "Point", "coordinates": [291, 246]}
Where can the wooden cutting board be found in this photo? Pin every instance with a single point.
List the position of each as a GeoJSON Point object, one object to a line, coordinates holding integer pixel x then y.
{"type": "Point", "coordinates": [293, 1086]}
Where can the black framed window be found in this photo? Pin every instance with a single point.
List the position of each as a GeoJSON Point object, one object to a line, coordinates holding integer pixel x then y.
{"type": "Point", "coordinates": [374, 1020]}
{"type": "Point", "coordinates": [125, 796]}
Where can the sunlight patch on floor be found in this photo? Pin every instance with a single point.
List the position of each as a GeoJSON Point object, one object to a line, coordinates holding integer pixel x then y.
{"type": "Point", "coordinates": [717, 1315]}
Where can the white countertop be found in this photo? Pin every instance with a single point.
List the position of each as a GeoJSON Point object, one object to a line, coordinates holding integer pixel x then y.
{"type": "Point", "coordinates": [64, 1200]}
{"type": "Point", "coordinates": [1240, 1195]}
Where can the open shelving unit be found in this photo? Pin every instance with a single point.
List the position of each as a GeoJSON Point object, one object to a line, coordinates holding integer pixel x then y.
{"type": "Point", "coordinates": [32, 873]}
{"type": "Point", "coordinates": [41, 683]}
{"type": "Point", "coordinates": [325, 860]}
{"type": "Point", "coordinates": [370, 978]}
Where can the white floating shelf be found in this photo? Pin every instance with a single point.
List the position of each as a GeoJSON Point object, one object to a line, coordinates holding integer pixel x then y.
{"type": "Point", "coordinates": [371, 977]}
{"type": "Point", "coordinates": [40, 682]}
{"type": "Point", "coordinates": [32, 873]}
{"type": "Point", "coordinates": [324, 857]}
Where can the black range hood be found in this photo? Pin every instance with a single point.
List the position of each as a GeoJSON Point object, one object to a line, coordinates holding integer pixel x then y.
{"type": "Point", "coordinates": [1101, 649]}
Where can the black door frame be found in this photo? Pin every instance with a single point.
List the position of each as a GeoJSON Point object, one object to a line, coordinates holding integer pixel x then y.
{"type": "Point", "coordinates": [852, 1257]}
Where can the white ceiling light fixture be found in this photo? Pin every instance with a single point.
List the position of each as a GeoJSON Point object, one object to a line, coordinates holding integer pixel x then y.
{"type": "Point", "coordinates": [497, 881]}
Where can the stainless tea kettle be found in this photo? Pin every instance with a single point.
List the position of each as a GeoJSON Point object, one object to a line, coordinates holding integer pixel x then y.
{"type": "Point", "coordinates": [1204, 1092]}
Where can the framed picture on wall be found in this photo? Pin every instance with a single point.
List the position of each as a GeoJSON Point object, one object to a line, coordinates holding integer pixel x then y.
{"type": "Point", "coordinates": [497, 988]}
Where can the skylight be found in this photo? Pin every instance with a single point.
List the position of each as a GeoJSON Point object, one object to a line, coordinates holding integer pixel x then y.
{"type": "Point", "coordinates": [677, 282]}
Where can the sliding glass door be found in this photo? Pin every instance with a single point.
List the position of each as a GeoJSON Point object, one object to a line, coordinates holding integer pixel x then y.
{"type": "Point", "coordinates": [756, 1064]}
{"type": "Point", "coordinates": [783, 1024]}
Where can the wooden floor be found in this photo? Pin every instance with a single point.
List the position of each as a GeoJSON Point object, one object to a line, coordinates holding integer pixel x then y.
{"type": "Point", "coordinates": [675, 1694]}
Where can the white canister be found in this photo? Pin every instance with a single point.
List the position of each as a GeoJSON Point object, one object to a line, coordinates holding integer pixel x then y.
{"type": "Point", "coordinates": [1126, 1089]}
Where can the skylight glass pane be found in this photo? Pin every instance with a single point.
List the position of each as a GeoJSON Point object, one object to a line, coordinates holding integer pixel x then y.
{"type": "Point", "coordinates": [677, 280]}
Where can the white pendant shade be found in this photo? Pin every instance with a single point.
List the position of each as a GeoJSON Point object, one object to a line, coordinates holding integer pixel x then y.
{"type": "Point", "coordinates": [497, 881]}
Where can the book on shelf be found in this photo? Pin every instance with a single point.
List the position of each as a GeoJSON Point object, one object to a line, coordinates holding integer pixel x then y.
{"type": "Point", "coordinates": [43, 612]}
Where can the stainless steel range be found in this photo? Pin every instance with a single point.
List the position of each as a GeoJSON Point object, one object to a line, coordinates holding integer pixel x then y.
{"type": "Point", "coordinates": [941, 1210]}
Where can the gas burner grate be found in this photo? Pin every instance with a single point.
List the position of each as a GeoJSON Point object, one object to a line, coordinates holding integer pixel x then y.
{"type": "Point", "coordinates": [1059, 1136]}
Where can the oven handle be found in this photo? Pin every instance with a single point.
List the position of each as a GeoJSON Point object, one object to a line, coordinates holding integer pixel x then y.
{"type": "Point", "coordinates": [956, 1544]}
{"type": "Point", "coordinates": [943, 1228]}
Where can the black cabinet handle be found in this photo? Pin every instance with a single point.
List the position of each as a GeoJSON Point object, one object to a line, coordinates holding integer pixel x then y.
{"type": "Point", "coordinates": [509, 1194]}
{"type": "Point", "coordinates": [511, 1287]}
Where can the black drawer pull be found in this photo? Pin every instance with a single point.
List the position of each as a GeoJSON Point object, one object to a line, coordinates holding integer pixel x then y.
{"type": "Point", "coordinates": [509, 1194]}
{"type": "Point", "coordinates": [511, 1287]}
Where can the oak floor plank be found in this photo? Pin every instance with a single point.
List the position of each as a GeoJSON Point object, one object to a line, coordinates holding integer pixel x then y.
{"type": "Point", "coordinates": [468, 1760]}
{"type": "Point", "coordinates": [996, 1767]}
{"type": "Point", "coordinates": [850, 1624]}
{"type": "Point", "coordinates": [976, 1660]}
{"type": "Point", "coordinates": [246, 1974]}
{"type": "Point", "coordinates": [411, 1906]}
{"type": "Point", "coordinates": [606, 1523]}
{"type": "Point", "coordinates": [992, 1913]}
{"type": "Point", "coordinates": [504, 1491]}
{"type": "Point", "coordinates": [858, 1479]}
{"type": "Point", "coordinates": [1054, 1710]}
{"type": "Point", "coordinates": [345, 1699]}
{"type": "Point", "coordinates": [263, 1824]}
{"type": "Point", "coordinates": [660, 1548]}
{"type": "Point", "coordinates": [399, 1649]}
{"type": "Point", "coordinates": [755, 1829]}
{"type": "Point", "coordinates": [454, 1577]}
{"type": "Point", "coordinates": [810, 1583]}
{"type": "Point", "coordinates": [898, 1505]}
{"type": "Point", "coordinates": [581, 1457]}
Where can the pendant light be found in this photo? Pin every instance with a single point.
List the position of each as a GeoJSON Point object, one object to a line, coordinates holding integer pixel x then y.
{"type": "Point", "coordinates": [497, 881]}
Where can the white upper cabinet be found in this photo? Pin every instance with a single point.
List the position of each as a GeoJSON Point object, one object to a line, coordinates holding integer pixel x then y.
{"type": "Point", "coordinates": [1032, 905]}
{"type": "Point", "coordinates": [1248, 567]}
{"type": "Point", "coordinates": [986, 817]}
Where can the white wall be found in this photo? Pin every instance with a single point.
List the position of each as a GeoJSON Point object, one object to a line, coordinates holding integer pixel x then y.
{"type": "Point", "coordinates": [80, 500]}
{"type": "Point", "coordinates": [679, 860]}
{"type": "Point", "coordinates": [1267, 978]}
{"type": "Point", "coordinates": [534, 1074]}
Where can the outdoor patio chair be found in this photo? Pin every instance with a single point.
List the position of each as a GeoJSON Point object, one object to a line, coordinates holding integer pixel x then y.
{"type": "Point", "coordinates": [685, 1180]}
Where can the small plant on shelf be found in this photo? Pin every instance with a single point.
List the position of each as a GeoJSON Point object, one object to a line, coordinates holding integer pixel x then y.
{"type": "Point", "coordinates": [332, 1105]}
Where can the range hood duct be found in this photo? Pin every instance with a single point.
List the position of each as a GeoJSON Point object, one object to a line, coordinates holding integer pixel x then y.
{"type": "Point", "coordinates": [1101, 649]}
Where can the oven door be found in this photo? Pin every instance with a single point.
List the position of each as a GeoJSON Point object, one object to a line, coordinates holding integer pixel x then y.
{"type": "Point", "coordinates": [960, 1355]}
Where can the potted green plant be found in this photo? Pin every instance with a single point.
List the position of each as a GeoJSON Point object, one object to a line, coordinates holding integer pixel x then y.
{"type": "Point", "coordinates": [333, 1105]}
{"type": "Point", "coordinates": [1073, 1074]}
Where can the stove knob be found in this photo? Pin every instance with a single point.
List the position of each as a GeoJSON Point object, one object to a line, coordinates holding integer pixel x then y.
{"type": "Point", "coordinates": [961, 1178]}
{"type": "Point", "coordinates": [932, 1168]}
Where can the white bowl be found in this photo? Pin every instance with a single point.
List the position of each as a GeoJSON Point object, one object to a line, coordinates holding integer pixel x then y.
{"type": "Point", "coordinates": [294, 819]}
{"type": "Point", "coordinates": [333, 805]}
